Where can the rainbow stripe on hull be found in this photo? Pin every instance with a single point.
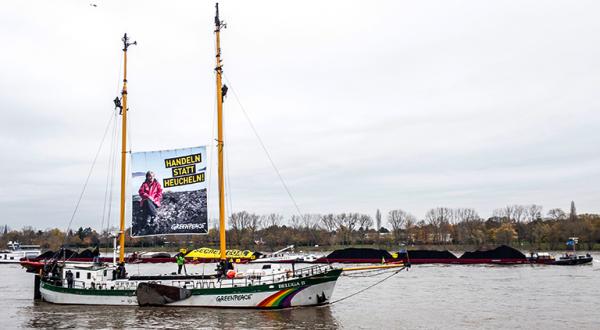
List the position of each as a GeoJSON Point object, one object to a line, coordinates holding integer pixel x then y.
{"type": "Point", "coordinates": [281, 299]}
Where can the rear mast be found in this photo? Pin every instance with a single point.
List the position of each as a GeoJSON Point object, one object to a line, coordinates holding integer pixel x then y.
{"type": "Point", "coordinates": [220, 142]}
{"type": "Point", "coordinates": [124, 109]}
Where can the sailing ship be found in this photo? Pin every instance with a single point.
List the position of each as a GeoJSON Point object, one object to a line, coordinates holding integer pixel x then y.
{"type": "Point", "coordinates": [271, 286]}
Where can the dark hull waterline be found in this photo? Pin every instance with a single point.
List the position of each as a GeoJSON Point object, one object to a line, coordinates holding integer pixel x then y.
{"type": "Point", "coordinates": [454, 261]}
{"type": "Point", "coordinates": [573, 261]}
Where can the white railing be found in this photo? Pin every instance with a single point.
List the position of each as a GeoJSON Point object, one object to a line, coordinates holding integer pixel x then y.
{"type": "Point", "coordinates": [210, 283]}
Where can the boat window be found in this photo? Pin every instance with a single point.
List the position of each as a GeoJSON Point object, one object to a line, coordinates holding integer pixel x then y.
{"type": "Point", "coordinates": [12, 258]}
{"type": "Point", "coordinates": [89, 276]}
{"type": "Point", "coordinates": [76, 274]}
{"type": "Point", "coordinates": [266, 267]}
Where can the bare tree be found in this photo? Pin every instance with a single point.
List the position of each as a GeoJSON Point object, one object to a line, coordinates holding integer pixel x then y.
{"type": "Point", "coordinates": [352, 221]}
{"type": "Point", "coordinates": [328, 221]}
{"type": "Point", "coordinates": [410, 224]}
{"type": "Point", "coordinates": [557, 214]}
{"type": "Point", "coordinates": [311, 221]}
{"type": "Point", "coordinates": [254, 223]}
{"type": "Point", "coordinates": [499, 213]}
{"type": "Point", "coordinates": [244, 224]}
{"type": "Point", "coordinates": [465, 215]}
{"type": "Point", "coordinates": [439, 218]}
{"type": "Point", "coordinates": [398, 220]}
{"type": "Point", "coordinates": [365, 222]}
{"type": "Point", "coordinates": [469, 226]}
{"type": "Point", "coordinates": [296, 221]}
{"type": "Point", "coordinates": [511, 213]}
{"type": "Point", "coordinates": [346, 224]}
{"type": "Point", "coordinates": [272, 220]}
{"type": "Point", "coordinates": [519, 213]}
{"type": "Point", "coordinates": [533, 212]}
{"type": "Point", "coordinates": [504, 214]}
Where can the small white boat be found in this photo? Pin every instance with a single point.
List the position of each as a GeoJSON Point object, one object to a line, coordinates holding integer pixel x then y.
{"type": "Point", "coordinates": [16, 251]}
{"type": "Point", "coordinates": [284, 257]}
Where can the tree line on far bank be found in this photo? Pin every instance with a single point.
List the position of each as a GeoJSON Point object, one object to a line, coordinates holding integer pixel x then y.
{"type": "Point", "coordinates": [516, 225]}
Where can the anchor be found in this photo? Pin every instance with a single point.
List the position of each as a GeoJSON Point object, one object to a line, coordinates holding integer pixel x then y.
{"type": "Point", "coordinates": [321, 298]}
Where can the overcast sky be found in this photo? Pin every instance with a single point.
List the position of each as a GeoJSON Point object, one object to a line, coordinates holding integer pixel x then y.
{"type": "Point", "coordinates": [362, 105]}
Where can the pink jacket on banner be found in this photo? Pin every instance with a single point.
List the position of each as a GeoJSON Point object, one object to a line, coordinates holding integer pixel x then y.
{"type": "Point", "coordinates": [152, 191]}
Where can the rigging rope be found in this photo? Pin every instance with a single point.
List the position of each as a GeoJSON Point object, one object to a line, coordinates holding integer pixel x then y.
{"type": "Point", "coordinates": [117, 135]}
{"type": "Point", "coordinates": [264, 147]}
{"type": "Point", "coordinates": [228, 210]}
{"type": "Point", "coordinates": [108, 125]}
{"type": "Point", "coordinates": [111, 179]}
{"type": "Point", "coordinates": [303, 217]}
{"type": "Point", "coordinates": [119, 79]}
{"type": "Point", "coordinates": [87, 179]}
{"type": "Point", "coordinates": [211, 152]}
{"type": "Point", "coordinates": [112, 159]}
{"type": "Point", "coordinates": [370, 273]}
{"type": "Point", "coordinates": [367, 288]}
{"type": "Point", "coordinates": [109, 176]}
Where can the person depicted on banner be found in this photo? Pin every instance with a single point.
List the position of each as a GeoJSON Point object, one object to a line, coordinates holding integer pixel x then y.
{"type": "Point", "coordinates": [151, 194]}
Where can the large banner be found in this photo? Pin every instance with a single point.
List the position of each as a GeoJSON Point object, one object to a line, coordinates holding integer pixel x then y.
{"type": "Point", "coordinates": [169, 192]}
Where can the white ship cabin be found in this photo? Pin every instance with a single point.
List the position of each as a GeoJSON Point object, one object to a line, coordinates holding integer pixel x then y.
{"type": "Point", "coordinates": [275, 271]}
{"type": "Point", "coordinates": [310, 258]}
{"type": "Point", "coordinates": [541, 255]}
{"type": "Point", "coordinates": [90, 277]}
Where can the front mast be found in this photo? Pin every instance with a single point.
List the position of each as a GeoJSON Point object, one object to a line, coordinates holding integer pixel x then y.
{"type": "Point", "coordinates": [126, 45]}
{"type": "Point", "coordinates": [220, 144]}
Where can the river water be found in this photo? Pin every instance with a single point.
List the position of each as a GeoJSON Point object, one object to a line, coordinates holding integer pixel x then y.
{"type": "Point", "coordinates": [425, 297]}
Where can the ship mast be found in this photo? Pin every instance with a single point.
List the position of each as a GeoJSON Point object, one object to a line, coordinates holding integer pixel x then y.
{"type": "Point", "coordinates": [126, 45]}
{"type": "Point", "coordinates": [220, 142]}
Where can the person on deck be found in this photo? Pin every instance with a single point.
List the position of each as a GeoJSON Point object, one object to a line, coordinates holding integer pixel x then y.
{"type": "Point", "coordinates": [180, 259]}
{"type": "Point", "coordinates": [151, 194]}
{"type": "Point", "coordinates": [221, 269]}
{"type": "Point", "coordinates": [69, 277]}
{"type": "Point", "coordinates": [121, 273]}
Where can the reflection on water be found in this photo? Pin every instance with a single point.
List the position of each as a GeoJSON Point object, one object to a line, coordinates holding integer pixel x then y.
{"type": "Point", "coordinates": [44, 315]}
